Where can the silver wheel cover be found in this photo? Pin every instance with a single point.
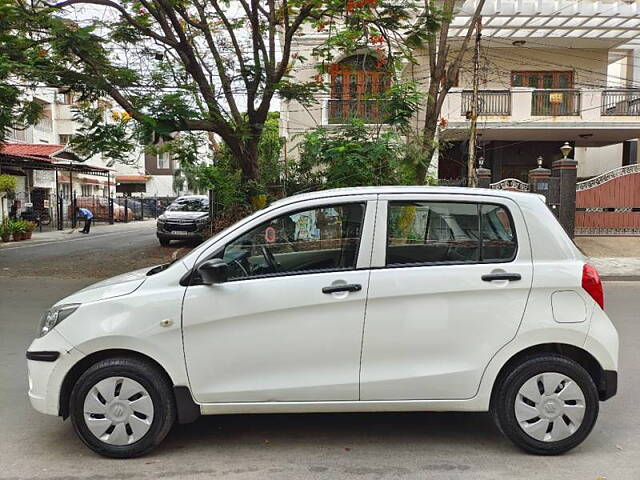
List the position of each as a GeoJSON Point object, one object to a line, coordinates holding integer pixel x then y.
{"type": "Point", "coordinates": [118, 411]}
{"type": "Point", "coordinates": [550, 406]}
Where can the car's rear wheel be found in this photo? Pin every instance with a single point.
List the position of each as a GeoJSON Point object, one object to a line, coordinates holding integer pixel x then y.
{"type": "Point", "coordinates": [547, 405]}
{"type": "Point", "coordinates": [122, 407]}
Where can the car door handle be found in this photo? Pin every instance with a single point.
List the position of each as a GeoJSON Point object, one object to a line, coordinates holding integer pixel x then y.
{"type": "Point", "coordinates": [349, 287]}
{"type": "Point", "coordinates": [490, 277]}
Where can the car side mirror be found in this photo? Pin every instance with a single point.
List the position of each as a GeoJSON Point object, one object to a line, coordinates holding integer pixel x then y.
{"type": "Point", "coordinates": [213, 271]}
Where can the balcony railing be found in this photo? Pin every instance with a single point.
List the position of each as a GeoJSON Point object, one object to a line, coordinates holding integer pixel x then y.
{"type": "Point", "coordinates": [341, 111]}
{"type": "Point", "coordinates": [620, 102]}
{"type": "Point", "coordinates": [563, 102]}
{"type": "Point", "coordinates": [490, 102]}
{"type": "Point", "coordinates": [44, 125]}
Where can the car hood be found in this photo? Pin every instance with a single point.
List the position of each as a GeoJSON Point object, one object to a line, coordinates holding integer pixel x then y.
{"type": "Point", "coordinates": [183, 215]}
{"type": "Point", "coordinates": [112, 287]}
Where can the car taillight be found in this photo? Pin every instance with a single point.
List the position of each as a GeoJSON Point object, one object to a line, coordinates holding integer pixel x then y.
{"type": "Point", "coordinates": [592, 284]}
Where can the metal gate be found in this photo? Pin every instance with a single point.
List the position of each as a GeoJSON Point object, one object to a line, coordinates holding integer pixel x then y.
{"type": "Point", "coordinates": [609, 204]}
{"type": "Point", "coordinates": [512, 184]}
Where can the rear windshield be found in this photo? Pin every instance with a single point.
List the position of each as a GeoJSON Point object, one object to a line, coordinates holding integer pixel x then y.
{"type": "Point", "coordinates": [189, 205]}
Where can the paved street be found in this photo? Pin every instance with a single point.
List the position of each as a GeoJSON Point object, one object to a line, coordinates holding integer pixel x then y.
{"type": "Point", "coordinates": [322, 446]}
{"type": "Point", "coordinates": [106, 251]}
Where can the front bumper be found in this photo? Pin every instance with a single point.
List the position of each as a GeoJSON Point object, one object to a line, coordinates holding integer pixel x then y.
{"type": "Point", "coordinates": [47, 373]}
{"type": "Point", "coordinates": [182, 236]}
{"type": "Point", "coordinates": [185, 231]}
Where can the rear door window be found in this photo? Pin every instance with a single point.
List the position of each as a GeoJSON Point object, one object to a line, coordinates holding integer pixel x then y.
{"type": "Point", "coordinates": [421, 233]}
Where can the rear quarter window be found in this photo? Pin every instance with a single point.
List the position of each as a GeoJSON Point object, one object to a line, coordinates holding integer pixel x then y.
{"type": "Point", "coordinates": [420, 233]}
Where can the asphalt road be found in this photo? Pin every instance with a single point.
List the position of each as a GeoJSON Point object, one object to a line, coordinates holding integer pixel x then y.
{"type": "Point", "coordinates": [106, 251]}
{"type": "Point", "coordinates": [321, 446]}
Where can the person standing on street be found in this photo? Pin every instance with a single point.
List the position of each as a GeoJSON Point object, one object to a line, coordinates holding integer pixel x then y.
{"type": "Point", "coordinates": [88, 217]}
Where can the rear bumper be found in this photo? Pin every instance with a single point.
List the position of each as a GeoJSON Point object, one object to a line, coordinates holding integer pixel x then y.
{"type": "Point", "coordinates": [609, 385]}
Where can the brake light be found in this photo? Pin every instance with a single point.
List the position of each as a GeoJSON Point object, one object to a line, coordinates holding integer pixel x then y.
{"type": "Point", "coordinates": [592, 284]}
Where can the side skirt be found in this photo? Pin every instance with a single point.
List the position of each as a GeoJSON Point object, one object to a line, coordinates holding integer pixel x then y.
{"type": "Point", "coordinates": [470, 405]}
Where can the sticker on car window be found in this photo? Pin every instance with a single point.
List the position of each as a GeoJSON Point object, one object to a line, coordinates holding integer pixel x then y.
{"type": "Point", "coordinates": [270, 235]}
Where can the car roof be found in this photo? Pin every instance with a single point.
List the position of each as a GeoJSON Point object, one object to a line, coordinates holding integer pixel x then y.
{"type": "Point", "coordinates": [192, 197]}
{"type": "Point", "coordinates": [406, 189]}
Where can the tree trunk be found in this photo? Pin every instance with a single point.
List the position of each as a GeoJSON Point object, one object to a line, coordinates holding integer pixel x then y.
{"type": "Point", "coordinates": [428, 148]}
{"type": "Point", "coordinates": [245, 154]}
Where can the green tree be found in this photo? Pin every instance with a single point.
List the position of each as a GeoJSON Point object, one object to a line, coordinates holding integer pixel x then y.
{"type": "Point", "coordinates": [218, 171]}
{"type": "Point", "coordinates": [444, 60]}
{"type": "Point", "coordinates": [179, 65]}
{"type": "Point", "coordinates": [349, 156]}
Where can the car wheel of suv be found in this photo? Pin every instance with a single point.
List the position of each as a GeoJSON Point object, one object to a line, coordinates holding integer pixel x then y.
{"type": "Point", "coordinates": [164, 241]}
{"type": "Point", "coordinates": [547, 405]}
{"type": "Point", "coordinates": [122, 407]}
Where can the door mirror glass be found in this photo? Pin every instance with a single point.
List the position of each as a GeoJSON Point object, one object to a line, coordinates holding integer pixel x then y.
{"type": "Point", "coordinates": [213, 271]}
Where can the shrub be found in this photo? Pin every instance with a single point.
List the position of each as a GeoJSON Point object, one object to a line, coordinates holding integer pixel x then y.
{"type": "Point", "coordinates": [17, 226]}
{"type": "Point", "coordinates": [7, 183]}
{"type": "Point", "coordinates": [350, 156]}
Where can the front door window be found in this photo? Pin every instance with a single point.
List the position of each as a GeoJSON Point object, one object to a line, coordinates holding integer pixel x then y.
{"type": "Point", "coordinates": [319, 239]}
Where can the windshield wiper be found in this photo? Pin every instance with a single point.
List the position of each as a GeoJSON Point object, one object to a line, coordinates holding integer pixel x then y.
{"type": "Point", "coordinates": [160, 268]}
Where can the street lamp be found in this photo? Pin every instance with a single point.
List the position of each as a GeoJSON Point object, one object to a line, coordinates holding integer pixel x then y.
{"type": "Point", "coordinates": [539, 160]}
{"type": "Point", "coordinates": [566, 150]}
{"type": "Point", "coordinates": [481, 162]}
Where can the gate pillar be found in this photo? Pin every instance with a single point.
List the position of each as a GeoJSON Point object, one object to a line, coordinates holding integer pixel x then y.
{"type": "Point", "coordinates": [483, 175]}
{"type": "Point", "coordinates": [540, 180]}
{"type": "Point", "coordinates": [564, 192]}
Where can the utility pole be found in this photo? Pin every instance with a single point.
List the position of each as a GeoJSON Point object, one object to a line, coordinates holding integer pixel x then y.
{"type": "Point", "coordinates": [473, 131]}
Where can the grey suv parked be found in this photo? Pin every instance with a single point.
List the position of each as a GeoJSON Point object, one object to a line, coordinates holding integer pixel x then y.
{"type": "Point", "coordinates": [187, 218]}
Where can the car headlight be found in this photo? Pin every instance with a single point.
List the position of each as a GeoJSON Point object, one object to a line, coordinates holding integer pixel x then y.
{"type": "Point", "coordinates": [54, 316]}
{"type": "Point", "coordinates": [202, 220]}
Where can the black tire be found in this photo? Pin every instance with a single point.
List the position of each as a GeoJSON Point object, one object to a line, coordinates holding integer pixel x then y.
{"type": "Point", "coordinates": [147, 375]}
{"type": "Point", "coordinates": [164, 241]}
{"type": "Point", "coordinates": [503, 404]}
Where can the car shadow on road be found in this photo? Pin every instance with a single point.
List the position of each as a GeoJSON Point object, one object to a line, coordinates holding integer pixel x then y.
{"type": "Point", "coordinates": [343, 430]}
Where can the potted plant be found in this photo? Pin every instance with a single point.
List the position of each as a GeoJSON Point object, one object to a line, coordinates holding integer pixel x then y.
{"type": "Point", "coordinates": [29, 227]}
{"type": "Point", "coordinates": [5, 232]}
{"type": "Point", "coordinates": [18, 228]}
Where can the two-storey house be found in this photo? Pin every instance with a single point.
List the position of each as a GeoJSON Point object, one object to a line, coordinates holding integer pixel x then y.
{"type": "Point", "coordinates": [550, 72]}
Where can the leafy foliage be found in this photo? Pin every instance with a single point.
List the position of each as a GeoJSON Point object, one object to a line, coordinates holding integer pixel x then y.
{"type": "Point", "coordinates": [7, 183]}
{"type": "Point", "coordinates": [224, 176]}
{"type": "Point", "coordinates": [181, 66]}
{"type": "Point", "coordinates": [349, 156]}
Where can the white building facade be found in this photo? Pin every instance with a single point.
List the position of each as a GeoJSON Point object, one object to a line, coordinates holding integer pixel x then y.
{"type": "Point", "coordinates": [551, 71]}
{"type": "Point", "coordinates": [145, 174]}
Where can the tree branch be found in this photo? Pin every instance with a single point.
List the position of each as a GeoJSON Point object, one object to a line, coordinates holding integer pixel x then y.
{"type": "Point", "coordinates": [130, 20]}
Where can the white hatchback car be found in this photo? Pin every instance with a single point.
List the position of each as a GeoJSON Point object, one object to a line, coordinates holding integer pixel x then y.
{"type": "Point", "coordinates": [362, 299]}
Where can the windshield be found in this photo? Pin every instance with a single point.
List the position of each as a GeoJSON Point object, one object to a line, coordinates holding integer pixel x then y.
{"type": "Point", "coordinates": [189, 205]}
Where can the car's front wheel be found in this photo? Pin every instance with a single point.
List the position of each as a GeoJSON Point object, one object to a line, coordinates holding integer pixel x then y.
{"type": "Point", "coordinates": [164, 241]}
{"type": "Point", "coordinates": [122, 407]}
{"type": "Point", "coordinates": [547, 405]}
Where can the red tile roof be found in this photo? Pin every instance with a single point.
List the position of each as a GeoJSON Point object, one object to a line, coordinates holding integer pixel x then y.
{"type": "Point", "coordinates": [131, 178]}
{"type": "Point", "coordinates": [31, 149]}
